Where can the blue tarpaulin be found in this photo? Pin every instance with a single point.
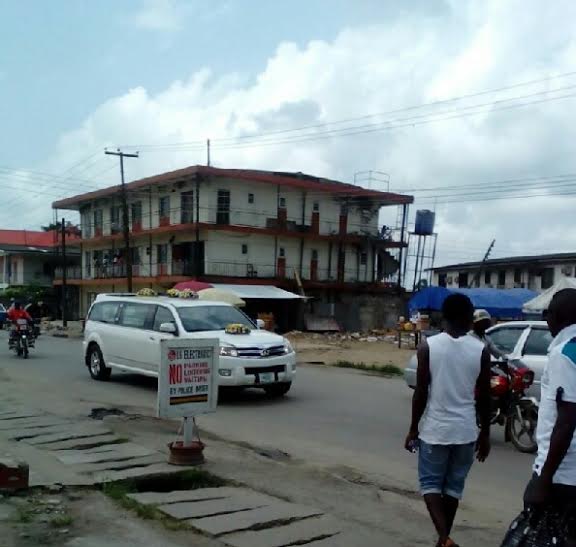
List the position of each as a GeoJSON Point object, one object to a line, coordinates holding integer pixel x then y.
{"type": "Point", "coordinates": [500, 303]}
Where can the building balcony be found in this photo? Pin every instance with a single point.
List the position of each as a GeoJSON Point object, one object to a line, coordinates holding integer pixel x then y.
{"type": "Point", "coordinates": [176, 271]}
{"type": "Point", "coordinates": [241, 222]}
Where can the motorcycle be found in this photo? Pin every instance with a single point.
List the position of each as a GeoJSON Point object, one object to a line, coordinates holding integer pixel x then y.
{"type": "Point", "coordinates": [511, 407]}
{"type": "Point", "coordinates": [23, 339]}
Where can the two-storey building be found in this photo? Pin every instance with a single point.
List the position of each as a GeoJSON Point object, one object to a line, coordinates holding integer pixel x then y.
{"type": "Point", "coordinates": [238, 226]}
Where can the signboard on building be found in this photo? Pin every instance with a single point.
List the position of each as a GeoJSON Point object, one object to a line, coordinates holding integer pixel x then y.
{"type": "Point", "coordinates": [188, 377]}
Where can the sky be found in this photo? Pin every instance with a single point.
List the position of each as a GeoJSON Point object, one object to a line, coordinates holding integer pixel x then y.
{"type": "Point", "coordinates": [457, 101]}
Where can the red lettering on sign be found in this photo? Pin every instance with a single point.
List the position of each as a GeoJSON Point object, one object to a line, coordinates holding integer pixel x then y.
{"type": "Point", "coordinates": [175, 374]}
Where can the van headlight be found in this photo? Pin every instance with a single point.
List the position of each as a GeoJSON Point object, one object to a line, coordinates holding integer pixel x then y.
{"type": "Point", "coordinates": [288, 347]}
{"type": "Point", "coordinates": [228, 351]}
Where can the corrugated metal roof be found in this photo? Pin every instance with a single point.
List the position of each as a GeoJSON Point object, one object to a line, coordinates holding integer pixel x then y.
{"type": "Point", "coordinates": [294, 180]}
{"type": "Point", "coordinates": [263, 292]}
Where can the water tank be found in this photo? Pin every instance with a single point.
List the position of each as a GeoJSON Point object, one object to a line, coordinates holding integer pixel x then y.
{"type": "Point", "coordinates": [424, 222]}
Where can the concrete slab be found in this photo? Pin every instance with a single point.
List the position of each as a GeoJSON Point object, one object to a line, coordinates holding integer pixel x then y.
{"type": "Point", "coordinates": [75, 443]}
{"type": "Point", "coordinates": [116, 452]}
{"type": "Point", "coordinates": [111, 476]}
{"type": "Point", "coordinates": [345, 540]}
{"type": "Point", "coordinates": [13, 414]}
{"type": "Point", "coordinates": [202, 494]}
{"type": "Point", "coordinates": [208, 508]}
{"type": "Point", "coordinates": [79, 437]}
{"type": "Point", "coordinates": [294, 533]}
{"type": "Point", "coordinates": [27, 423]}
{"type": "Point", "coordinates": [24, 434]}
{"type": "Point", "coordinates": [126, 448]}
{"type": "Point", "coordinates": [235, 522]}
{"type": "Point", "coordinates": [124, 464]}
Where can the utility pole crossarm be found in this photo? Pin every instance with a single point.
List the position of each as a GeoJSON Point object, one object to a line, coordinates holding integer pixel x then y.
{"type": "Point", "coordinates": [125, 219]}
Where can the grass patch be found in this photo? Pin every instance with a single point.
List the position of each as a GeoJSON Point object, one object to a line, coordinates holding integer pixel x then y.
{"type": "Point", "coordinates": [192, 479]}
{"type": "Point", "coordinates": [24, 515]}
{"type": "Point", "coordinates": [388, 370]}
{"type": "Point", "coordinates": [61, 521]}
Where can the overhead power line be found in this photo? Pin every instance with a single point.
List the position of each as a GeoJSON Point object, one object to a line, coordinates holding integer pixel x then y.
{"type": "Point", "coordinates": [201, 143]}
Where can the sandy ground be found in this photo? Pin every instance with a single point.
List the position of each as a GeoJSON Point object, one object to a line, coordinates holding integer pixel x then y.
{"type": "Point", "coordinates": [324, 349]}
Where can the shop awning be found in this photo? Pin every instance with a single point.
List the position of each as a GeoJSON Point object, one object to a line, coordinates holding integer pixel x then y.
{"type": "Point", "coordinates": [260, 292]}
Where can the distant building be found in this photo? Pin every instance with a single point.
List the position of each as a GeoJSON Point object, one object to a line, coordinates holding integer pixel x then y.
{"type": "Point", "coordinates": [537, 273]}
{"type": "Point", "coordinates": [235, 226]}
{"type": "Point", "coordinates": [30, 258]}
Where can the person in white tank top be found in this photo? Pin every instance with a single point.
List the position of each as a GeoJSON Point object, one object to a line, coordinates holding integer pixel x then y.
{"type": "Point", "coordinates": [451, 366]}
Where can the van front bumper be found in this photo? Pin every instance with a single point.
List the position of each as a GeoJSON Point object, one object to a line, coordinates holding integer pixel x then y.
{"type": "Point", "coordinates": [242, 372]}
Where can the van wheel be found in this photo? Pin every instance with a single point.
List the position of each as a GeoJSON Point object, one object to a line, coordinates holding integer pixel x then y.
{"type": "Point", "coordinates": [96, 365]}
{"type": "Point", "coordinates": [278, 390]}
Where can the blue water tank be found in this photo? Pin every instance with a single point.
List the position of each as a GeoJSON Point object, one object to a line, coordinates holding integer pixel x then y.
{"type": "Point", "coordinates": [424, 222]}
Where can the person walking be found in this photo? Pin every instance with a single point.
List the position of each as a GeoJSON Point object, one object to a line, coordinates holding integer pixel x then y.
{"type": "Point", "coordinates": [554, 480]}
{"type": "Point", "coordinates": [444, 430]}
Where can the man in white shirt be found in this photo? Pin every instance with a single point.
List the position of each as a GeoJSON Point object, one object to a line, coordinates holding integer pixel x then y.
{"type": "Point", "coordinates": [554, 480]}
{"type": "Point", "coordinates": [451, 365]}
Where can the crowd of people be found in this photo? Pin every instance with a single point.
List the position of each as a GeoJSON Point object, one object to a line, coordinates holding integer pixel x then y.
{"type": "Point", "coordinates": [451, 415]}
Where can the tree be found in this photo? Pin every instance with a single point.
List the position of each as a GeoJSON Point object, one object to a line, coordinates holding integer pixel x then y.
{"type": "Point", "coordinates": [71, 229]}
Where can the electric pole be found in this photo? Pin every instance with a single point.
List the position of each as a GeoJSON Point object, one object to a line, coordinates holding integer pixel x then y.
{"type": "Point", "coordinates": [64, 280]}
{"type": "Point", "coordinates": [125, 221]}
{"type": "Point", "coordinates": [208, 152]}
{"type": "Point", "coordinates": [476, 280]}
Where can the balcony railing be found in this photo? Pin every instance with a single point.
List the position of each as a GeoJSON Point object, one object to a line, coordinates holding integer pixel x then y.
{"type": "Point", "coordinates": [321, 224]}
{"type": "Point", "coordinates": [310, 273]}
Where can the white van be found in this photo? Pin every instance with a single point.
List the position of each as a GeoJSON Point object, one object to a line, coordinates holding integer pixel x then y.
{"type": "Point", "coordinates": [124, 332]}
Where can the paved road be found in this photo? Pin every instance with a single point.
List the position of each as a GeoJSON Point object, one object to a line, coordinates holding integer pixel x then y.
{"type": "Point", "coordinates": [333, 417]}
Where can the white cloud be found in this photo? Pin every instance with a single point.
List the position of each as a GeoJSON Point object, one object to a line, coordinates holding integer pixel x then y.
{"type": "Point", "coordinates": [377, 68]}
{"type": "Point", "coordinates": [159, 15]}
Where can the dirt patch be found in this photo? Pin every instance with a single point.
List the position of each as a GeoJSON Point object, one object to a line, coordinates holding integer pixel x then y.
{"type": "Point", "coordinates": [83, 517]}
{"type": "Point", "coordinates": [329, 350]}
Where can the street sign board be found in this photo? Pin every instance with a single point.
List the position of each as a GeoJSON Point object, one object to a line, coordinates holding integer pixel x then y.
{"type": "Point", "coordinates": [188, 377]}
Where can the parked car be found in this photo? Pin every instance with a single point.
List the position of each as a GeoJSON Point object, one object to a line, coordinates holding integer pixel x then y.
{"type": "Point", "coordinates": [124, 332]}
{"type": "Point", "coordinates": [521, 341]}
{"type": "Point", "coordinates": [3, 315]}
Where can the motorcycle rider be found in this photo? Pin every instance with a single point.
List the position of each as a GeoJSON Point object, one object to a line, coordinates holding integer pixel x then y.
{"type": "Point", "coordinates": [14, 314]}
{"type": "Point", "coordinates": [482, 322]}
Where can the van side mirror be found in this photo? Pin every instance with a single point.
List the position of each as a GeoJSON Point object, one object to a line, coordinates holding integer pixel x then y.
{"type": "Point", "coordinates": [261, 324]}
{"type": "Point", "coordinates": [168, 328]}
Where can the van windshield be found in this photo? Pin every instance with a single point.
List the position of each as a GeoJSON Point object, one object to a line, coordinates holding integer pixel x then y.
{"type": "Point", "coordinates": [207, 318]}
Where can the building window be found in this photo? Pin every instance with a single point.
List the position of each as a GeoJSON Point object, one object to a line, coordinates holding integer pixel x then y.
{"type": "Point", "coordinates": [281, 252]}
{"type": "Point", "coordinates": [517, 275]}
{"type": "Point", "coordinates": [502, 278]}
{"type": "Point", "coordinates": [223, 207]}
{"type": "Point", "coordinates": [487, 278]}
{"type": "Point", "coordinates": [316, 207]}
{"type": "Point", "coordinates": [136, 210]}
{"type": "Point", "coordinates": [463, 280]}
{"type": "Point", "coordinates": [442, 278]}
{"type": "Point", "coordinates": [115, 223]}
{"type": "Point", "coordinates": [363, 259]}
{"type": "Point", "coordinates": [282, 203]}
{"type": "Point", "coordinates": [162, 251]}
{"type": "Point", "coordinates": [164, 207]}
{"type": "Point", "coordinates": [244, 249]}
{"type": "Point", "coordinates": [251, 198]}
{"type": "Point", "coordinates": [98, 222]}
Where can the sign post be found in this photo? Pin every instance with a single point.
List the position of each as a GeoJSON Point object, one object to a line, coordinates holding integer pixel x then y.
{"type": "Point", "coordinates": [188, 385]}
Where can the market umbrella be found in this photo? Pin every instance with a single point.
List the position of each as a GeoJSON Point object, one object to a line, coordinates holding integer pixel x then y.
{"type": "Point", "coordinates": [192, 286]}
{"type": "Point", "coordinates": [219, 295]}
